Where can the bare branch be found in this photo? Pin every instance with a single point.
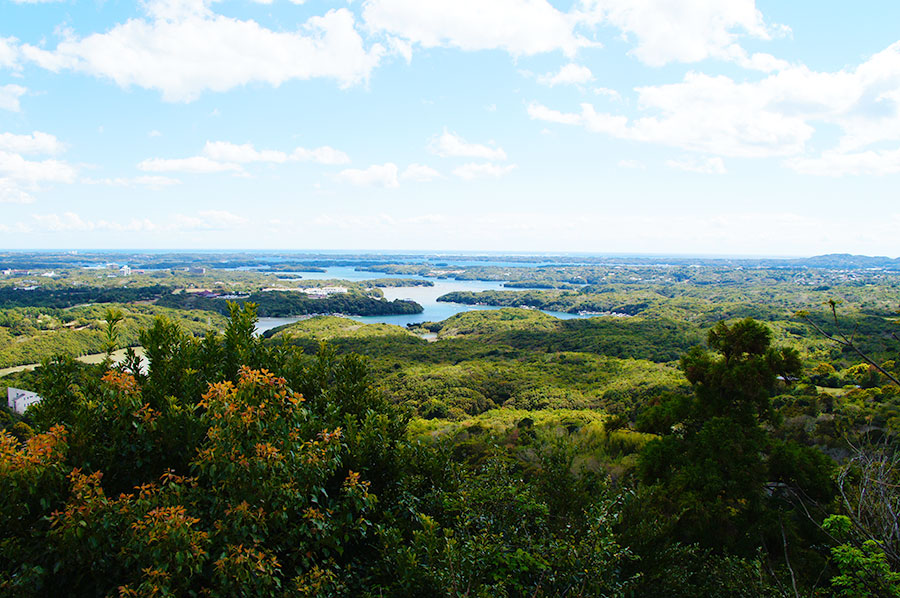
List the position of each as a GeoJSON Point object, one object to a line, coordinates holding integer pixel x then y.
{"type": "Point", "coordinates": [843, 341]}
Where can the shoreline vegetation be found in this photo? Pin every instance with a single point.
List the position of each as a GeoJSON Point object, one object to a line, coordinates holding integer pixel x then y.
{"type": "Point", "coordinates": [276, 304]}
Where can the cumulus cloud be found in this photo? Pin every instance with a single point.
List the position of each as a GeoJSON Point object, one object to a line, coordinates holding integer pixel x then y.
{"type": "Point", "coordinates": [451, 145]}
{"type": "Point", "coordinates": [473, 170]}
{"type": "Point", "coordinates": [10, 192]}
{"type": "Point", "coordinates": [34, 143]}
{"type": "Point", "coordinates": [20, 175]}
{"type": "Point", "coordinates": [182, 48]}
{"type": "Point", "coordinates": [606, 91]}
{"type": "Point", "coordinates": [704, 114]}
{"type": "Point", "coordinates": [570, 74]}
{"type": "Point", "coordinates": [9, 97]}
{"type": "Point", "coordinates": [223, 151]}
{"type": "Point", "coordinates": [419, 173]}
{"type": "Point", "coordinates": [224, 156]}
{"type": "Point", "coordinates": [9, 52]}
{"type": "Point", "coordinates": [538, 111]}
{"type": "Point", "coordinates": [700, 166]}
{"type": "Point", "coordinates": [192, 165]}
{"type": "Point", "coordinates": [18, 168]}
{"type": "Point", "coordinates": [320, 155]}
{"type": "Point", "coordinates": [520, 27]}
{"type": "Point", "coordinates": [775, 116]}
{"type": "Point", "coordinates": [688, 30]}
{"type": "Point", "coordinates": [380, 175]}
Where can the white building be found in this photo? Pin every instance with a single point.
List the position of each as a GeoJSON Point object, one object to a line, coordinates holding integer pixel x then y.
{"type": "Point", "coordinates": [19, 400]}
{"type": "Point", "coordinates": [125, 270]}
{"type": "Point", "coordinates": [333, 290]}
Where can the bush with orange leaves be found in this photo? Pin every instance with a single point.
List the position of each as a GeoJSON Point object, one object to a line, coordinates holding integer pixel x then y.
{"type": "Point", "coordinates": [146, 542]}
{"type": "Point", "coordinates": [272, 473]}
{"type": "Point", "coordinates": [268, 507]}
{"type": "Point", "coordinates": [115, 431]}
{"type": "Point", "coordinates": [33, 480]}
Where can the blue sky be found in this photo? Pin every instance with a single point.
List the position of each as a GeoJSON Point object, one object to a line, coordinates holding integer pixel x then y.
{"type": "Point", "coordinates": [639, 126]}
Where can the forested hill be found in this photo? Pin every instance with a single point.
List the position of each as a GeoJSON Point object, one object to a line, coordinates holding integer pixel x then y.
{"type": "Point", "coordinates": [848, 261]}
{"type": "Point", "coordinates": [61, 297]}
{"type": "Point", "coordinates": [284, 304]}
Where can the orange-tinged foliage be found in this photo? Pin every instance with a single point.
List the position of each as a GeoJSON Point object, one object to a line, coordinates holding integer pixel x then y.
{"type": "Point", "coordinates": [41, 450]}
{"type": "Point", "coordinates": [122, 382]}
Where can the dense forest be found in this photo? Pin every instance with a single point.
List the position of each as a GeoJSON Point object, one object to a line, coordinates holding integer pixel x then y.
{"type": "Point", "coordinates": [727, 429]}
{"type": "Point", "coordinates": [237, 465]}
{"type": "Point", "coordinates": [72, 296]}
{"type": "Point", "coordinates": [280, 304]}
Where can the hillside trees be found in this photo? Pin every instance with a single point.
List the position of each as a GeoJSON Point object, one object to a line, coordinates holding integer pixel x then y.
{"type": "Point", "coordinates": [716, 475]}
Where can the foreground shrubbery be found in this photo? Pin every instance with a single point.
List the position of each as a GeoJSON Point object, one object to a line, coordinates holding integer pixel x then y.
{"type": "Point", "coordinates": [235, 468]}
{"type": "Point", "coordinates": [210, 477]}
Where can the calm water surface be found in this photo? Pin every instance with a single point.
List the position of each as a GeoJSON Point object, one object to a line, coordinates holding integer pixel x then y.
{"type": "Point", "coordinates": [424, 296]}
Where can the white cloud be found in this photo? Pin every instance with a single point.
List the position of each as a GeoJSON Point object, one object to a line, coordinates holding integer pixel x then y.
{"type": "Point", "coordinates": [10, 192]}
{"type": "Point", "coordinates": [700, 166]}
{"type": "Point", "coordinates": [866, 100]}
{"type": "Point", "coordinates": [183, 49]}
{"type": "Point", "coordinates": [520, 27]}
{"type": "Point", "coordinates": [9, 97]}
{"type": "Point", "coordinates": [687, 30]}
{"type": "Point", "coordinates": [773, 116]}
{"type": "Point", "coordinates": [570, 74]}
{"type": "Point", "coordinates": [9, 52]}
{"type": "Point", "coordinates": [224, 156]}
{"type": "Point", "coordinates": [606, 91]}
{"type": "Point", "coordinates": [192, 165]}
{"type": "Point", "coordinates": [18, 168]}
{"type": "Point", "coordinates": [223, 151]}
{"type": "Point", "coordinates": [704, 114]}
{"type": "Point", "coordinates": [35, 143]}
{"type": "Point", "coordinates": [540, 112]}
{"type": "Point", "coordinates": [321, 155]}
{"type": "Point", "coordinates": [452, 145]}
{"type": "Point", "coordinates": [473, 171]}
{"type": "Point", "coordinates": [19, 176]}
{"type": "Point", "coordinates": [382, 175]}
{"type": "Point", "coordinates": [154, 133]}
{"type": "Point", "coordinates": [419, 173]}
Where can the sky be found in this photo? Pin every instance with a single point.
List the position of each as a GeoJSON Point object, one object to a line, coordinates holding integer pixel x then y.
{"type": "Point", "coordinates": [733, 127]}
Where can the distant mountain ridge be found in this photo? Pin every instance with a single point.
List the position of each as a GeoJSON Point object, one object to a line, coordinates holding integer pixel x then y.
{"type": "Point", "coordinates": [280, 261]}
{"type": "Point", "coordinates": [846, 260]}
